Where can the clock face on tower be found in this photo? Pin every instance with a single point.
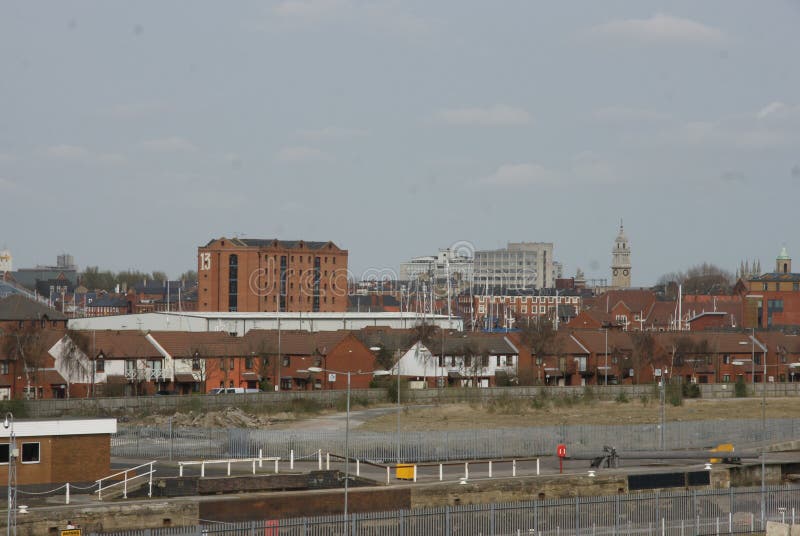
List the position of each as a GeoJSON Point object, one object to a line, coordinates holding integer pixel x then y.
{"type": "Point", "coordinates": [616, 271]}
{"type": "Point", "coordinates": [624, 272]}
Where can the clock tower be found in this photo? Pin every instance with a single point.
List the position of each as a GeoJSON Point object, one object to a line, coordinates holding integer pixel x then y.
{"type": "Point", "coordinates": [621, 261]}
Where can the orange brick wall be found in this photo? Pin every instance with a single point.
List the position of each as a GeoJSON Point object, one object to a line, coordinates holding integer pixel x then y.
{"type": "Point", "coordinates": [64, 459]}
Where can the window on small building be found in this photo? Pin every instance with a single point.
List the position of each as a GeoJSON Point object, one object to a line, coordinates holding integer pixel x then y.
{"type": "Point", "coordinates": [100, 365]}
{"type": "Point", "coordinates": [5, 449]}
{"type": "Point", "coordinates": [30, 453]}
{"type": "Point", "coordinates": [196, 363]}
{"type": "Point", "coordinates": [248, 363]}
{"type": "Point", "coordinates": [726, 378]}
{"type": "Point", "coordinates": [286, 360]}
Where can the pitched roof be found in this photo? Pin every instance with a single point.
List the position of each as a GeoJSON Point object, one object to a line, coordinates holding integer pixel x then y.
{"type": "Point", "coordinates": [184, 344]}
{"type": "Point", "coordinates": [18, 307]}
{"type": "Point", "coordinates": [661, 314]}
{"type": "Point", "coordinates": [478, 343]}
{"type": "Point", "coordinates": [294, 342]}
{"type": "Point", "coordinates": [718, 341]}
{"type": "Point", "coordinates": [119, 344]}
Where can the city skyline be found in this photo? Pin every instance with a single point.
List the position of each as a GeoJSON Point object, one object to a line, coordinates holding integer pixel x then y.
{"type": "Point", "coordinates": [395, 129]}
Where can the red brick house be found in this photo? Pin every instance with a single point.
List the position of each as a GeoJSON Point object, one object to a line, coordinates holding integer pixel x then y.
{"type": "Point", "coordinates": [293, 352]}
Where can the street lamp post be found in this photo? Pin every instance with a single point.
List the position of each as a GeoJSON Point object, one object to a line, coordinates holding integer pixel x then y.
{"type": "Point", "coordinates": [346, 430]}
{"type": "Point", "coordinates": [763, 436]}
{"type": "Point", "coordinates": [606, 354]}
{"type": "Point", "coordinates": [11, 518]}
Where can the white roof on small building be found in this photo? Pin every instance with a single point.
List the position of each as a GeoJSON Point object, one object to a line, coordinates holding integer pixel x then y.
{"type": "Point", "coordinates": [62, 427]}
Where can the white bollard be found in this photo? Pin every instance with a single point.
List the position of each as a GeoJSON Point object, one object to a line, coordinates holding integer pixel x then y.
{"type": "Point", "coordinates": [415, 472]}
{"type": "Point", "coordinates": [260, 458]}
{"type": "Point", "coordinates": [229, 468]}
{"type": "Point", "coordinates": [276, 465]}
{"type": "Point", "coordinates": [537, 466]}
{"type": "Point", "coordinates": [291, 459]}
{"type": "Point", "coordinates": [203, 469]}
{"type": "Point", "coordinates": [319, 458]}
{"type": "Point", "coordinates": [180, 469]}
{"type": "Point", "coordinates": [513, 467]}
{"type": "Point", "coordinates": [67, 493]}
{"type": "Point", "coordinates": [358, 467]}
{"type": "Point", "coordinates": [388, 474]}
{"type": "Point", "coordinates": [327, 461]}
{"type": "Point", "coordinates": [254, 467]}
{"type": "Point", "coordinates": [441, 473]}
{"type": "Point", "coordinates": [466, 471]}
{"type": "Point", "coordinates": [663, 527]}
{"type": "Point", "coordinates": [490, 468]}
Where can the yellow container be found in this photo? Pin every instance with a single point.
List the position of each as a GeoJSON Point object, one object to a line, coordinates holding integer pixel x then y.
{"type": "Point", "coordinates": [724, 447]}
{"type": "Point", "coordinates": [404, 471]}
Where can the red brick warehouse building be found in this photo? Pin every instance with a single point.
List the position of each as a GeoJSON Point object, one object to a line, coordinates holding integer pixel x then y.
{"type": "Point", "coordinates": [257, 275]}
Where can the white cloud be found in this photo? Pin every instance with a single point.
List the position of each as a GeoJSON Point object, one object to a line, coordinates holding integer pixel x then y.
{"type": "Point", "coordinates": [516, 175]}
{"type": "Point", "coordinates": [624, 114]}
{"type": "Point", "coordinates": [331, 133]}
{"type": "Point", "coordinates": [76, 153]}
{"type": "Point", "coordinates": [497, 115]}
{"type": "Point", "coordinates": [301, 154]}
{"type": "Point", "coordinates": [743, 136]}
{"type": "Point", "coordinates": [779, 110]}
{"type": "Point", "coordinates": [660, 28]}
{"type": "Point", "coordinates": [172, 144]}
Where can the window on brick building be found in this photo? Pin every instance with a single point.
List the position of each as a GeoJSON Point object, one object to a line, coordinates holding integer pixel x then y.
{"type": "Point", "coordinates": [30, 453]}
{"type": "Point", "coordinates": [3, 367]}
{"type": "Point", "coordinates": [233, 283]}
{"type": "Point", "coordinates": [4, 453]}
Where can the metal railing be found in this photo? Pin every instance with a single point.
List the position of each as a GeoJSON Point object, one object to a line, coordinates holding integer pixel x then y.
{"type": "Point", "coordinates": [228, 462]}
{"type": "Point", "coordinates": [728, 511]}
{"type": "Point", "coordinates": [133, 471]}
{"type": "Point", "coordinates": [193, 443]}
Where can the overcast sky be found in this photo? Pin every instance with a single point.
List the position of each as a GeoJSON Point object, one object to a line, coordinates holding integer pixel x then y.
{"type": "Point", "coordinates": [132, 132]}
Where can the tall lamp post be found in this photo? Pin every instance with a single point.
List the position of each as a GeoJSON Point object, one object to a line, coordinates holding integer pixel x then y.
{"type": "Point", "coordinates": [11, 519]}
{"type": "Point", "coordinates": [763, 436]}
{"type": "Point", "coordinates": [346, 430]}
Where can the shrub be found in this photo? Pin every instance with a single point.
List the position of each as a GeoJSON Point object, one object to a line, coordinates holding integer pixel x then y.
{"type": "Point", "coordinates": [622, 398]}
{"type": "Point", "coordinates": [691, 390]}
{"type": "Point", "coordinates": [674, 394]}
{"type": "Point", "coordinates": [19, 408]}
{"type": "Point", "coordinates": [740, 388]}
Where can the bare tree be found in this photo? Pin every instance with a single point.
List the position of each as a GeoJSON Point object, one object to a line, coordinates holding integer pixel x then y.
{"type": "Point", "coordinates": [643, 351]}
{"type": "Point", "coordinates": [541, 340]}
{"type": "Point", "coordinates": [74, 358]}
{"type": "Point", "coordinates": [26, 347]}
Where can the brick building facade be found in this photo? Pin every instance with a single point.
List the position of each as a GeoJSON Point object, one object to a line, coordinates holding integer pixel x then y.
{"type": "Point", "coordinates": [254, 275]}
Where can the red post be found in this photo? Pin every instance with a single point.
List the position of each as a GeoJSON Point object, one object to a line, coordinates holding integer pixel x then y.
{"type": "Point", "coordinates": [561, 451]}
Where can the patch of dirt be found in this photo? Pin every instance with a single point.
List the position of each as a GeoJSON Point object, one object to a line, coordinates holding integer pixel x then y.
{"type": "Point", "coordinates": [507, 413]}
{"type": "Point", "coordinates": [523, 414]}
{"type": "Point", "coordinates": [230, 417]}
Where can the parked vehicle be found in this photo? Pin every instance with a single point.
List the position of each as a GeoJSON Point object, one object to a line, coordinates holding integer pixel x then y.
{"type": "Point", "coordinates": [231, 390]}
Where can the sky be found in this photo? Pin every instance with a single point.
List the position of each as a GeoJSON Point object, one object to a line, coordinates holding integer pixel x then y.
{"type": "Point", "coordinates": [133, 132]}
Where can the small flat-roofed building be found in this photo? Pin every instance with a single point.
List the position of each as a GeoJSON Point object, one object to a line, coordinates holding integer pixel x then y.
{"type": "Point", "coordinates": [54, 452]}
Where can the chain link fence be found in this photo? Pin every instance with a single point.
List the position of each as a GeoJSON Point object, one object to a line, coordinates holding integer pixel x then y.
{"type": "Point", "coordinates": [175, 443]}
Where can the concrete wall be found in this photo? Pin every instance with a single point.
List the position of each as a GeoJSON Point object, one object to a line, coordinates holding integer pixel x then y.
{"type": "Point", "coordinates": [108, 517]}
